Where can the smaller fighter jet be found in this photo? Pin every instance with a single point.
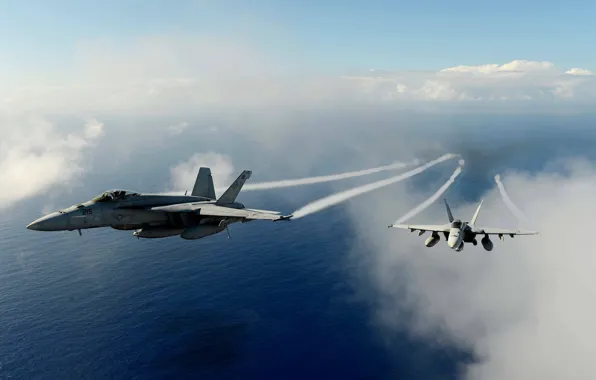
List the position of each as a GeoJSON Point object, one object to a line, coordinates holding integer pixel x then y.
{"type": "Point", "coordinates": [457, 233]}
{"type": "Point", "coordinates": [193, 216]}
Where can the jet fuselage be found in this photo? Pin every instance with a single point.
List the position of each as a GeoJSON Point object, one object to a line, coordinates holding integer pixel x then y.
{"type": "Point", "coordinates": [127, 213]}
{"type": "Point", "coordinates": [160, 215]}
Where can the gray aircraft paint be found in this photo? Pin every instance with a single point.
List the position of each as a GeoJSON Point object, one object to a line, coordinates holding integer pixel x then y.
{"type": "Point", "coordinates": [457, 233]}
{"type": "Point", "coordinates": [157, 215]}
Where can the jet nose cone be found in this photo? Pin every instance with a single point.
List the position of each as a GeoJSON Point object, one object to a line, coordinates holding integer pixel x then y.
{"type": "Point", "coordinates": [53, 222]}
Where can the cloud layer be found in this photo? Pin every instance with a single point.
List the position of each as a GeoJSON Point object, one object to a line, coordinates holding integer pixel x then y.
{"type": "Point", "coordinates": [169, 75]}
{"type": "Point", "coordinates": [35, 157]}
{"type": "Point", "coordinates": [516, 81]}
{"type": "Point", "coordinates": [525, 308]}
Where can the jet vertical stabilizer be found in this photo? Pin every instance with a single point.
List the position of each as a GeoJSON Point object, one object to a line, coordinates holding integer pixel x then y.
{"type": "Point", "coordinates": [204, 185]}
{"type": "Point", "coordinates": [232, 192]}
{"type": "Point", "coordinates": [449, 214]}
{"type": "Point", "coordinates": [473, 221]}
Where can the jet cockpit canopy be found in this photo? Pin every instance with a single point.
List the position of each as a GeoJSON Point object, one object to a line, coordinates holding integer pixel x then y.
{"type": "Point", "coordinates": [456, 223]}
{"type": "Point", "coordinates": [114, 195]}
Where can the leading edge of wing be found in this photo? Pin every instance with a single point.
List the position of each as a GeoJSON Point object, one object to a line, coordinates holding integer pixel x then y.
{"type": "Point", "coordinates": [503, 231]}
{"type": "Point", "coordinates": [422, 227]}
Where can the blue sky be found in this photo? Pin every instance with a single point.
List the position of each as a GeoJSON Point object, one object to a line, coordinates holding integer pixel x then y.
{"type": "Point", "coordinates": [328, 35]}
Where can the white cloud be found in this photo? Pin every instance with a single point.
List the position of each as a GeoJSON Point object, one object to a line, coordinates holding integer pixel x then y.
{"type": "Point", "coordinates": [184, 174]}
{"type": "Point", "coordinates": [578, 71]}
{"type": "Point", "coordinates": [172, 75]}
{"type": "Point", "coordinates": [513, 66]}
{"type": "Point", "coordinates": [35, 156]}
{"type": "Point", "coordinates": [495, 84]}
{"type": "Point", "coordinates": [93, 128]}
{"type": "Point", "coordinates": [525, 308]}
{"type": "Point", "coordinates": [439, 90]}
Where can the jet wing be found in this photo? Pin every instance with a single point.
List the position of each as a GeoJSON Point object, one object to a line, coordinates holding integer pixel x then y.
{"type": "Point", "coordinates": [246, 213]}
{"type": "Point", "coordinates": [423, 227]}
{"type": "Point", "coordinates": [224, 212]}
{"type": "Point", "coordinates": [502, 231]}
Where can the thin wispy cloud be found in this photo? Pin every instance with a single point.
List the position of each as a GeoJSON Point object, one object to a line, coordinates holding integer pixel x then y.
{"type": "Point", "coordinates": [171, 75]}
{"type": "Point", "coordinates": [35, 156]}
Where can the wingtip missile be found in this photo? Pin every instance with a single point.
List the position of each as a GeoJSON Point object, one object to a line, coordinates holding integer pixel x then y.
{"type": "Point", "coordinates": [284, 217]}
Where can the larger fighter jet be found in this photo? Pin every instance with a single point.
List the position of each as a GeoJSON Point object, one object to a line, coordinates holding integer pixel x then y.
{"type": "Point", "coordinates": [157, 216]}
{"type": "Point", "coordinates": [457, 233]}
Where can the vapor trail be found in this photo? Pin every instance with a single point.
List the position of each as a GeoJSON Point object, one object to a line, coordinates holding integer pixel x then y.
{"type": "Point", "coordinates": [508, 202]}
{"type": "Point", "coordinates": [334, 199]}
{"type": "Point", "coordinates": [433, 198]}
{"type": "Point", "coordinates": [326, 178]}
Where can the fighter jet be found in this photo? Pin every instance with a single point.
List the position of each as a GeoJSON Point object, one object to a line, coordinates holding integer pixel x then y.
{"type": "Point", "coordinates": [457, 233]}
{"type": "Point", "coordinates": [193, 216]}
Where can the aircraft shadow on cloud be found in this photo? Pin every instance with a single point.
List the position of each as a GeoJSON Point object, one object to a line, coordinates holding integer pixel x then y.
{"type": "Point", "coordinates": [457, 233]}
{"type": "Point", "coordinates": [192, 216]}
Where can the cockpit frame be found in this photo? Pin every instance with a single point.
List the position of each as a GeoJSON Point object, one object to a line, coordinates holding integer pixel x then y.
{"type": "Point", "coordinates": [114, 195]}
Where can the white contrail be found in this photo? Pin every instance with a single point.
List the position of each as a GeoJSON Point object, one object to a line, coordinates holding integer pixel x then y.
{"type": "Point", "coordinates": [326, 178]}
{"type": "Point", "coordinates": [309, 180]}
{"type": "Point", "coordinates": [334, 199]}
{"type": "Point", "coordinates": [508, 202]}
{"type": "Point", "coordinates": [433, 198]}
